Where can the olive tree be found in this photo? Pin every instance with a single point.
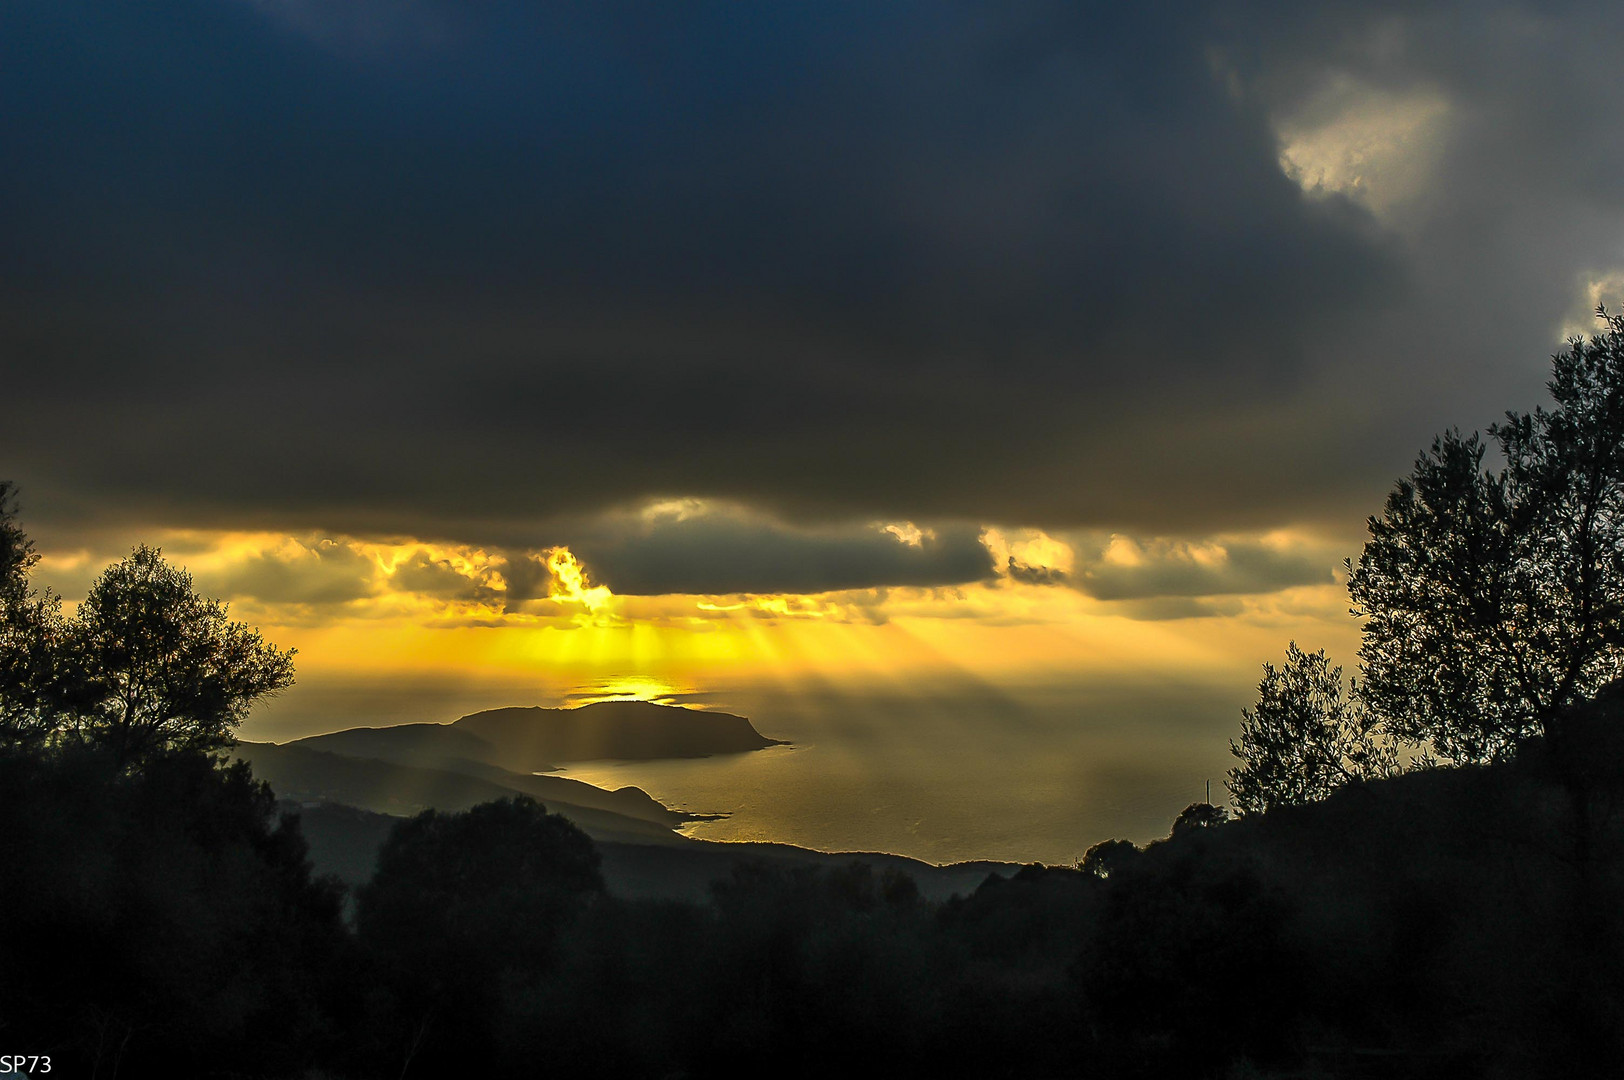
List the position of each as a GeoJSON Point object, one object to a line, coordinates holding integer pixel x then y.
{"type": "Point", "coordinates": [1306, 736]}
{"type": "Point", "coordinates": [1493, 598]}
{"type": "Point", "coordinates": [153, 666]}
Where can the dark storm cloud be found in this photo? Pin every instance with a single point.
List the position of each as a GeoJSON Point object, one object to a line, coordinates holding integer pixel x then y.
{"type": "Point", "coordinates": [1035, 575]}
{"type": "Point", "coordinates": [726, 551]}
{"type": "Point", "coordinates": [471, 271]}
{"type": "Point", "coordinates": [440, 578]}
{"type": "Point", "coordinates": [693, 549]}
{"type": "Point", "coordinates": [525, 577]}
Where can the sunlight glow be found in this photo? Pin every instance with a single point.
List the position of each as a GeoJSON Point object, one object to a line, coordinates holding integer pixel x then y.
{"type": "Point", "coordinates": [633, 688]}
{"type": "Point", "coordinates": [1595, 290]}
{"type": "Point", "coordinates": [1372, 145]}
{"type": "Point", "coordinates": [907, 532]}
{"type": "Point", "coordinates": [405, 609]}
{"type": "Point", "coordinates": [570, 581]}
{"type": "Point", "coordinates": [1033, 549]}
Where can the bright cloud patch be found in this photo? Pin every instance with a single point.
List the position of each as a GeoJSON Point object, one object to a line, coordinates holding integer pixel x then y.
{"type": "Point", "coordinates": [1124, 568]}
{"type": "Point", "coordinates": [1371, 145]}
{"type": "Point", "coordinates": [1604, 289]}
{"type": "Point", "coordinates": [1159, 577]}
{"type": "Point", "coordinates": [1029, 555]}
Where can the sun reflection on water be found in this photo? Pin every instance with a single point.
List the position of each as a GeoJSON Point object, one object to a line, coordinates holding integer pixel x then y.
{"type": "Point", "coordinates": [635, 688]}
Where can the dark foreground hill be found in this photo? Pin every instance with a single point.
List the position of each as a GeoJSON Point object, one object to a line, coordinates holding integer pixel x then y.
{"type": "Point", "coordinates": [1449, 923]}
{"type": "Point", "coordinates": [1462, 922]}
{"type": "Point", "coordinates": [538, 739]}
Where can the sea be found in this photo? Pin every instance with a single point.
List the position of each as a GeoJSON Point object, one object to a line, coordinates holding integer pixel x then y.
{"type": "Point", "coordinates": [940, 772]}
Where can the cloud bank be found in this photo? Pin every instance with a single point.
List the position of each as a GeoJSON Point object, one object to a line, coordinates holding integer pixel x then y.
{"type": "Point", "coordinates": [490, 274]}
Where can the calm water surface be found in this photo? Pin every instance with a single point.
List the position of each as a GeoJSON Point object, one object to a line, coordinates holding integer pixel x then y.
{"type": "Point", "coordinates": [936, 771]}
{"type": "Point", "coordinates": [944, 780]}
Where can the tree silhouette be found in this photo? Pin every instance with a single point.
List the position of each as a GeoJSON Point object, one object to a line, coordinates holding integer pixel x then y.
{"type": "Point", "coordinates": [1108, 858]}
{"type": "Point", "coordinates": [1198, 816]}
{"type": "Point", "coordinates": [16, 550]}
{"type": "Point", "coordinates": [153, 666]}
{"type": "Point", "coordinates": [1495, 599]}
{"type": "Point", "coordinates": [462, 908]}
{"type": "Point", "coordinates": [1304, 737]}
{"type": "Point", "coordinates": [31, 632]}
{"type": "Point", "coordinates": [511, 850]}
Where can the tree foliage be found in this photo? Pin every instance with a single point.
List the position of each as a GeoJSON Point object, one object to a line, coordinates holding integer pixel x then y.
{"type": "Point", "coordinates": [1305, 737]}
{"type": "Point", "coordinates": [31, 636]}
{"type": "Point", "coordinates": [156, 666]}
{"type": "Point", "coordinates": [462, 909]}
{"type": "Point", "coordinates": [16, 550]}
{"type": "Point", "coordinates": [1494, 599]}
{"type": "Point", "coordinates": [1108, 858]}
{"type": "Point", "coordinates": [498, 877]}
{"type": "Point", "coordinates": [1196, 816]}
{"type": "Point", "coordinates": [144, 666]}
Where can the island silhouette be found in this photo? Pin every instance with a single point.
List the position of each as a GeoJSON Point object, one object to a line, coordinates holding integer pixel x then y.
{"type": "Point", "coordinates": [538, 739]}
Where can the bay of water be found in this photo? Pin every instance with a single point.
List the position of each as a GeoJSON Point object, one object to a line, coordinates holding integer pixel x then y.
{"type": "Point", "coordinates": [947, 779]}
{"type": "Point", "coordinates": [938, 771]}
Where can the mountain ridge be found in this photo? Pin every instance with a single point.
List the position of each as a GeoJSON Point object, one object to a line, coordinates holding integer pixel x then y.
{"type": "Point", "coordinates": [301, 774]}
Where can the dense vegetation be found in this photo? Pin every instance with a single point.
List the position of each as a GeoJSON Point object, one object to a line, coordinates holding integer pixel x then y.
{"type": "Point", "coordinates": [1369, 914]}
{"type": "Point", "coordinates": [1449, 922]}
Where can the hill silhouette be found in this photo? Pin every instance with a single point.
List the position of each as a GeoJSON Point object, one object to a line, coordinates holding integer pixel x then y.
{"type": "Point", "coordinates": [627, 730]}
{"type": "Point", "coordinates": [538, 739]}
{"type": "Point", "coordinates": [300, 774]}
{"type": "Point", "coordinates": [1447, 922]}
